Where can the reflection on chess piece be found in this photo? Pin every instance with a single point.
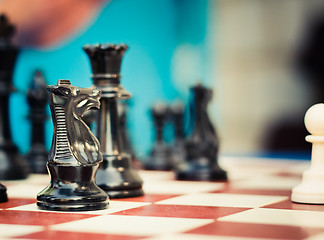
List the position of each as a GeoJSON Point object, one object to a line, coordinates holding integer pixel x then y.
{"type": "Point", "coordinates": [116, 175]}
{"type": "Point", "coordinates": [127, 146]}
{"type": "Point", "coordinates": [37, 98]}
{"type": "Point", "coordinates": [311, 189]}
{"type": "Point", "coordinates": [201, 147]}
{"type": "Point", "coordinates": [160, 156]}
{"type": "Point", "coordinates": [75, 153]}
{"type": "Point", "coordinates": [89, 117]}
{"type": "Point", "coordinates": [12, 164]}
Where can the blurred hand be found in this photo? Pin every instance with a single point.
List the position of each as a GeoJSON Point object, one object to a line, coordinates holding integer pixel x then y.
{"type": "Point", "coordinates": [42, 23]}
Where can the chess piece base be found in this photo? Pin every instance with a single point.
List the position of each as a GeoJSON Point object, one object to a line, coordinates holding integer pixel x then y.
{"type": "Point", "coordinates": [71, 189]}
{"type": "Point", "coordinates": [118, 178]}
{"type": "Point", "coordinates": [311, 189]}
{"type": "Point", "coordinates": [3, 194]}
{"type": "Point", "coordinates": [195, 172]}
{"type": "Point", "coordinates": [160, 158]}
{"type": "Point", "coordinates": [13, 165]}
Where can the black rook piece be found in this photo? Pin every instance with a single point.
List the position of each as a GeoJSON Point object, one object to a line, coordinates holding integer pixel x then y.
{"type": "Point", "coordinates": [37, 98]}
{"type": "Point", "coordinates": [12, 164]}
{"type": "Point", "coordinates": [116, 175]}
{"type": "Point", "coordinates": [122, 107]}
{"type": "Point", "coordinates": [160, 155]}
{"type": "Point", "coordinates": [75, 153]}
{"type": "Point", "coordinates": [202, 145]}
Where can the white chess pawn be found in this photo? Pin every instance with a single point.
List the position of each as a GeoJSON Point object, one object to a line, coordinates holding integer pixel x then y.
{"type": "Point", "coordinates": [311, 189]}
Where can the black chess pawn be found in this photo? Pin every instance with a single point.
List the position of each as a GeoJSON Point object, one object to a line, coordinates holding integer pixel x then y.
{"type": "Point", "coordinates": [177, 112]}
{"type": "Point", "coordinates": [116, 175]}
{"type": "Point", "coordinates": [37, 98]}
{"type": "Point", "coordinates": [12, 164]}
{"type": "Point", "coordinates": [160, 155]}
{"type": "Point", "coordinates": [75, 153]}
{"type": "Point", "coordinates": [201, 147]}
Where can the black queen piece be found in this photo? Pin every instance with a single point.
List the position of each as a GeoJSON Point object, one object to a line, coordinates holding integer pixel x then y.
{"type": "Point", "coordinates": [75, 152]}
{"type": "Point", "coordinates": [116, 175]}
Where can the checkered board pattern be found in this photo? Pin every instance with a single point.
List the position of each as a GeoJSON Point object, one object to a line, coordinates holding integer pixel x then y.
{"type": "Point", "coordinates": [253, 204]}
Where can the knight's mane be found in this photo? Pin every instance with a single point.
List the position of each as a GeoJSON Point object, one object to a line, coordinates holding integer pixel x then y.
{"type": "Point", "coordinates": [89, 151]}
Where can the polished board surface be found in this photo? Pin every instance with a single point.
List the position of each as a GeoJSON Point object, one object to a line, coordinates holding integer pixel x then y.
{"type": "Point", "coordinates": [253, 204]}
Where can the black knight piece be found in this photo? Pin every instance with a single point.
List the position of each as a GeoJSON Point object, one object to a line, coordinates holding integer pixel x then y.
{"type": "Point", "coordinates": [37, 98]}
{"type": "Point", "coordinates": [201, 147]}
{"type": "Point", "coordinates": [12, 164]}
{"type": "Point", "coordinates": [116, 175]}
{"type": "Point", "coordinates": [160, 155]}
{"type": "Point", "coordinates": [75, 153]}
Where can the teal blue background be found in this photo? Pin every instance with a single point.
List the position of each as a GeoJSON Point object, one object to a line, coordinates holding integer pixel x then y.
{"type": "Point", "coordinates": [152, 29]}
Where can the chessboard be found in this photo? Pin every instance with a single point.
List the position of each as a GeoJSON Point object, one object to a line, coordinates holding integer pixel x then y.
{"type": "Point", "coordinates": [253, 204]}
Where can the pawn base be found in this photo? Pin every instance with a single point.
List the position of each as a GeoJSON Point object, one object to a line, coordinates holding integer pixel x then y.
{"type": "Point", "coordinates": [118, 178]}
{"type": "Point", "coordinates": [192, 171]}
{"type": "Point", "coordinates": [307, 197]}
{"type": "Point", "coordinates": [3, 194]}
{"type": "Point", "coordinates": [72, 188]}
{"type": "Point", "coordinates": [157, 167]}
{"type": "Point", "coordinates": [160, 158]}
{"type": "Point", "coordinates": [311, 189]}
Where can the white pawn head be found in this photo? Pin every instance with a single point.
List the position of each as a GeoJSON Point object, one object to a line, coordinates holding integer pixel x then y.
{"type": "Point", "coordinates": [314, 119]}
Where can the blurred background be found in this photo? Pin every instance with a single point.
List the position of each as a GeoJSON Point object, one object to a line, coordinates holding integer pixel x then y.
{"type": "Point", "coordinates": [263, 60]}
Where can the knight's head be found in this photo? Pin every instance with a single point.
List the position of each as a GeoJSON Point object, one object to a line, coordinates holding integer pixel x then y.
{"type": "Point", "coordinates": [78, 100]}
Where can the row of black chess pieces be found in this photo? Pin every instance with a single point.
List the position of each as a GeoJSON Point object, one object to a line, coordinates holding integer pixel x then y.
{"type": "Point", "coordinates": [193, 155]}
{"type": "Point", "coordinates": [85, 169]}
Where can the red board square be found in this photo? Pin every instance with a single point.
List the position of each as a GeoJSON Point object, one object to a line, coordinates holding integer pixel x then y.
{"type": "Point", "coordinates": [288, 204]}
{"type": "Point", "coordinates": [251, 230]}
{"type": "Point", "coordinates": [179, 211]}
{"type": "Point", "coordinates": [38, 218]}
{"type": "Point", "coordinates": [148, 198]}
{"type": "Point", "coordinates": [268, 192]}
{"type": "Point", "coordinates": [287, 174]}
{"type": "Point", "coordinates": [15, 202]}
{"type": "Point", "coordinates": [76, 236]}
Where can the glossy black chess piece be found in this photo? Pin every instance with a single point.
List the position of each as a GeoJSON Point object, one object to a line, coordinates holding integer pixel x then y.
{"type": "Point", "coordinates": [90, 117]}
{"type": "Point", "coordinates": [3, 189]}
{"type": "Point", "coordinates": [3, 194]}
{"type": "Point", "coordinates": [37, 98]}
{"type": "Point", "coordinates": [126, 143]}
{"type": "Point", "coordinates": [12, 164]}
{"type": "Point", "coordinates": [75, 153]}
{"type": "Point", "coordinates": [116, 175]}
{"type": "Point", "coordinates": [160, 155]}
{"type": "Point", "coordinates": [201, 147]}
